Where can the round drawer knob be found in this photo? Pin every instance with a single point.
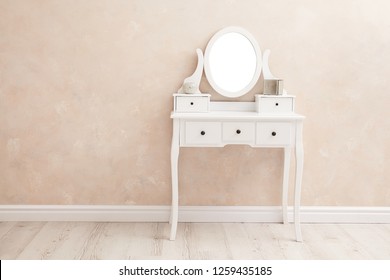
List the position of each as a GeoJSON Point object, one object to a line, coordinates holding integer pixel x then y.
{"type": "Point", "coordinates": [202, 132]}
{"type": "Point", "coordinates": [273, 133]}
{"type": "Point", "coordinates": [238, 131]}
{"type": "Point", "coordinates": [192, 103]}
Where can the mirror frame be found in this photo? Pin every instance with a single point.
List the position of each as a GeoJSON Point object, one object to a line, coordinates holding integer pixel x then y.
{"type": "Point", "coordinates": [257, 50]}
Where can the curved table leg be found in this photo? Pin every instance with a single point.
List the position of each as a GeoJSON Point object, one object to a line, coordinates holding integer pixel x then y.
{"type": "Point", "coordinates": [286, 173]}
{"type": "Point", "coordinates": [298, 180]}
{"type": "Point", "coordinates": [174, 173]}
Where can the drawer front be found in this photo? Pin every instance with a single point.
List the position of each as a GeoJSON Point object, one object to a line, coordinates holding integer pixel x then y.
{"type": "Point", "coordinates": [192, 104]}
{"type": "Point", "coordinates": [273, 134]}
{"type": "Point", "coordinates": [276, 105]}
{"type": "Point", "coordinates": [238, 132]}
{"type": "Point", "coordinates": [202, 133]}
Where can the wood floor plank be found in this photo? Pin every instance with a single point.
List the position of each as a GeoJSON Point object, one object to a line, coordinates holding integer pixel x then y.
{"type": "Point", "coordinates": [206, 241]}
{"type": "Point", "coordinates": [370, 239]}
{"type": "Point", "coordinates": [143, 242]}
{"type": "Point", "coordinates": [79, 240]}
{"type": "Point", "coordinates": [126, 241]}
{"type": "Point", "coordinates": [284, 235]}
{"type": "Point", "coordinates": [239, 243]}
{"type": "Point", "coordinates": [17, 238]}
{"type": "Point", "coordinates": [58, 240]}
{"type": "Point", "coordinates": [90, 248]}
{"type": "Point", "coordinates": [115, 240]}
{"type": "Point", "coordinates": [383, 231]}
{"type": "Point", "coordinates": [318, 237]}
{"type": "Point", "coordinates": [330, 241]}
{"type": "Point", "coordinates": [5, 227]}
{"type": "Point", "coordinates": [50, 237]}
{"type": "Point", "coordinates": [180, 248]}
{"type": "Point", "coordinates": [264, 241]}
{"type": "Point", "coordinates": [356, 251]}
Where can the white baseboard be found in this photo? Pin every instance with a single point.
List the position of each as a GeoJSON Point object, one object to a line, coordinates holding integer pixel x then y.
{"type": "Point", "coordinates": [266, 214]}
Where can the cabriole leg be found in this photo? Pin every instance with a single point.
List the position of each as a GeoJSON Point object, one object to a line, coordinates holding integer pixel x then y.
{"type": "Point", "coordinates": [174, 173]}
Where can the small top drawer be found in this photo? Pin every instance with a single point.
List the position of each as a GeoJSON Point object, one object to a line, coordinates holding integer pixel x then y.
{"type": "Point", "coordinates": [199, 103]}
{"type": "Point", "coordinates": [274, 104]}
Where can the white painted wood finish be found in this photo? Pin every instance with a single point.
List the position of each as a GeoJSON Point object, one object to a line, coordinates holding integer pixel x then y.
{"type": "Point", "coordinates": [274, 104]}
{"type": "Point", "coordinates": [191, 83]}
{"type": "Point", "coordinates": [272, 84]}
{"type": "Point", "coordinates": [232, 61]}
{"type": "Point", "coordinates": [119, 241]}
{"type": "Point", "coordinates": [247, 127]}
{"type": "Point", "coordinates": [286, 176]}
{"type": "Point", "coordinates": [201, 133]}
{"type": "Point", "coordinates": [275, 134]}
{"type": "Point", "coordinates": [238, 132]}
{"type": "Point", "coordinates": [175, 178]}
{"type": "Point", "coordinates": [192, 103]}
{"type": "Point", "coordinates": [266, 71]}
{"type": "Point", "coordinates": [298, 179]}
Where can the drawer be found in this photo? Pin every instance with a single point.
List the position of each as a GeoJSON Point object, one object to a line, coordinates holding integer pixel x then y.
{"type": "Point", "coordinates": [192, 104]}
{"type": "Point", "coordinates": [274, 134]}
{"type": "Point", "coordinates": [274, 104]}
{"type": "Point", "coordinates": [202, 133]}
{"type": "Point", "coordinates": [238, 132]}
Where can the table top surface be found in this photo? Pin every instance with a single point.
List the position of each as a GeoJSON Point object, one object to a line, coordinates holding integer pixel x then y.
{"type": "Point", "coordinates": [236, 115]}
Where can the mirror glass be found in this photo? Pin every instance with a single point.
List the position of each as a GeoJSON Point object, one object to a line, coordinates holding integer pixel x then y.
{"type": "Point", "coordinates": [232, 62]}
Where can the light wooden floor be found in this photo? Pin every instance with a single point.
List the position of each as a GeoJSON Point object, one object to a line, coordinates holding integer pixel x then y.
{"type": "Point", "coordinates": [77, 240]}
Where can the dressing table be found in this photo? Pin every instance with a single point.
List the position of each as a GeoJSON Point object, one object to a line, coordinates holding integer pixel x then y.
{"type": "Point", "coordinates": [232, 65]}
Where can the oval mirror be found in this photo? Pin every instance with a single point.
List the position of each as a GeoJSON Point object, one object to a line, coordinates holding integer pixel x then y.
{"type": "Point", "coordinates": [232, 62]}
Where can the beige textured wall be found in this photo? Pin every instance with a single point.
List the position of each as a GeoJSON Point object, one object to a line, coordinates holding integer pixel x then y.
{"type": "Point", "coordinates": [85, 98]}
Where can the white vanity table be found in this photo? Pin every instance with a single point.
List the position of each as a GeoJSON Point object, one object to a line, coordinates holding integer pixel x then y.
{"type": "Point", "coordinates": [269, 122]}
